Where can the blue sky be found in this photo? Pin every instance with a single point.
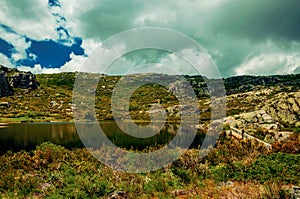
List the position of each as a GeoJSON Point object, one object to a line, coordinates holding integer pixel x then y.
{"type": "Point", "coordinates": [242, 37]}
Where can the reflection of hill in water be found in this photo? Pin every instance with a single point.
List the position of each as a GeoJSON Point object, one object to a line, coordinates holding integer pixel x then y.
{"type": "Point", "coordinates": [27, 136]}
{"type": "Point", "coordinates": [93, 138]}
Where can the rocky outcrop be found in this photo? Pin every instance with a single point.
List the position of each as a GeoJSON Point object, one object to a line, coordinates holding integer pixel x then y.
{"type": "Point", "coordinates": [23, 80]}
{"type": "Point", "coordinates": [252, 120]}
{"type": "Point", "coordinates": [250, 83]}
{"type": "Point", "coordinates": [258, 124]}
{"type": "Point", "coordinates": [5, 88]}
{"type": "Point", "coordinates": [12, 78]}
{"type": "Point", "coordinates": [241, 84]}
{"type": "Point", "coordinates": [284, 107]}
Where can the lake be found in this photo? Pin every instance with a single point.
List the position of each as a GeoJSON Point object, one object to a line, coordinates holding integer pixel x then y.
{"type": "Point", "coordinates": [16, 137]}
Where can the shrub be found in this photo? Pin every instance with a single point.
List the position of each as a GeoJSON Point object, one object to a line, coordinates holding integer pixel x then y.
{"type": "Point", "coordinates": [226, 127]}
{"type": "Point", "coordinates": [279, 167]}
{"type": "Point", "coordinates": [297, 130]}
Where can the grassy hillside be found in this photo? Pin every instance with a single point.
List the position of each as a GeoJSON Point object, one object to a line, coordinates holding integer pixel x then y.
{"type": "Point", "coordinates": [52, 100]}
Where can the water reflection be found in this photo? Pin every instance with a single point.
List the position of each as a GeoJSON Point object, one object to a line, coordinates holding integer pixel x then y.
{"type": "Point", "coordinates": [26, 136]}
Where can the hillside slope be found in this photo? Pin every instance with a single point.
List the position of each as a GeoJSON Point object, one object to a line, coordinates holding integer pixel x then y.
{"type": "Point", "coordinates": [51, 98]}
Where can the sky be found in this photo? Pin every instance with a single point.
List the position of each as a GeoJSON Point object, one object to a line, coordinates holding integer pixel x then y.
{"type": "Point", "coordinates": [257, 37]}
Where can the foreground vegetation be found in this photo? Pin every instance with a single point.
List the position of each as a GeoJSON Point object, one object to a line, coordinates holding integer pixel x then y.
{"type": "Point", "coordinates": [234, 168]}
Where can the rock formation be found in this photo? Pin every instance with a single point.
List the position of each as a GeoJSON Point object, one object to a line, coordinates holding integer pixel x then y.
{"type": "Point", "coordinates": [12, 78]}
{"type": "Point", "coordinates": [23, 80]}
{"type": "Point", "coordinates": [284, 108]}
{"type": "Point", "coordinates": [5, 88]}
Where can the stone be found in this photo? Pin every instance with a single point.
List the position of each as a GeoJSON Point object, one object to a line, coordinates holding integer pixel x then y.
{"type": "Point", "coordinates": [269, 139]}
{"type": "Point", "coordinates": [269, 126]}
{"type": "Point", "coordinates": [297, 98]}
{"type": "Point", "coordinates": [117, 195]}
{"type": "Point", "coordinates": [296, 192]}
{"type": "Point", "coordinates": [248, 117]}
{"type": "Point", "coordinates": [53, 104]}
{"type": "Point", "coordinates": [5, 88]}
{"type": "Point", "coordinates": [225, 184]}
{"type": "Point", "coordinates": [22, 79]}
{"type": "Point", "coordinates": [267, 118]}
{"type": "Point", "coordinates": [5, 104]}
{"type": "Point", "coordinates": [295, 108]}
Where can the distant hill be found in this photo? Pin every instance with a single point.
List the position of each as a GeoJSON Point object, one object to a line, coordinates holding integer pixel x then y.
{"type": "Point", "coordinates": [47, 97]}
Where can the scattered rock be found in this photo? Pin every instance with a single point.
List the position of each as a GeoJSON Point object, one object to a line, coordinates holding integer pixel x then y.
{"type": "Point", "coordinates": [253, 119]}
{"type": "Point", "coordinates": [45, 186]}
{"type": "Point", "coordinates": [117, 195]}
{"type": "Point", "coordinates": [5, 104]}
{"type": "Point", "coordinates": [225, 184]}
{"type": "Point", "coordinates": [296, 192]}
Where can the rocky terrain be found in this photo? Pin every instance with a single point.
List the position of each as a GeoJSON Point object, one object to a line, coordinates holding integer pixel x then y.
{"type": "Point", "coordinates": [269, 113]}
{"type": "Point", "coordinates": [269, 105]}
{"type": "Point", "coordinates": [5, 88]}
{"type": "Point", "coordinates": [13, 78]}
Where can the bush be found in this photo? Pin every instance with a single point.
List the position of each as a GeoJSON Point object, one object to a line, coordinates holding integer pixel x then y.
{"type": "Point", "coordinates": [226, 127]}
{"type": "Point", "coordinates": [297, 130]}
{"type": "Point", "coordinates": [292, 145]}
{"type": "Point", "coordinates": [278, 167]}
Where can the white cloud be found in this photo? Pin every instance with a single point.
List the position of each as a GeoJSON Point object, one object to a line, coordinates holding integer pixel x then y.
{"type": "Point", "coordinates": [99, 59]}
{"type": "Point", "coordinates": [37, 69]}
{"type": "Point", "coordinates": [195, 18]}
{"type": "Point", "coordinates": [187, 15]}
{"type": "Point", "coordinates": [178, 64]}
{"type": "Point", "coordinates": [71, 66]}
{"type": "Point", "coordinates": [74, 64]}
{"type": "Point", "coordinates": [18, 42]}
{"type": "Point", "coordinates": [154, 17]}
{"type": "Point", "coordinates": [268, 64]}
{"type": "Point", "coordinates": [31, 18]}
{"type": "Point", "coordinates": [72, 10]}
{"type": "Point", "coordinates": [5, 61]}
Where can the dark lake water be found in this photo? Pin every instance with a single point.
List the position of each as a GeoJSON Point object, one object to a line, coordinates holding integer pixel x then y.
{"type": "Point", "coordinates": [27, 136]}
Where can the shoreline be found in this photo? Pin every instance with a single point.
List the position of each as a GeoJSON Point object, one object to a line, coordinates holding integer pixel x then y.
{"type": "Point", "coordinates": [6, 122]}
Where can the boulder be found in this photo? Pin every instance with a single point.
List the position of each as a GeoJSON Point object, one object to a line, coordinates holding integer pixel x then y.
{"type": "Point", "coordinates": [283, 107]}
{"type": "Point", "coordinates": [5, 104]}
{"type": "Point", "coordinates": [5, 88]}
{"type": "Point", "coordinates": [23, 80]}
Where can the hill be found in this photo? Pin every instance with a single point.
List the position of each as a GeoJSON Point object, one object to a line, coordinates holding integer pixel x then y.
{"type": "Point", "coordinates": [48, 97]}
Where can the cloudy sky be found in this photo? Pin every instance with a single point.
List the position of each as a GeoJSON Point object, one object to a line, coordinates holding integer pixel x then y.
{"type": "Point", "coordinates": [257, 37]}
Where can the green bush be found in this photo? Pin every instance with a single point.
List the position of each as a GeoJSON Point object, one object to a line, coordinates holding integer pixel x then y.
{"type": "Point", "coordinates": [277, 167]}
{"type": "Point", "coordinates": [184, 174]}
{"type": "Point", "coordinates": [280, 167]}
{"type": "Point", "coordinates": [297, 130]}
